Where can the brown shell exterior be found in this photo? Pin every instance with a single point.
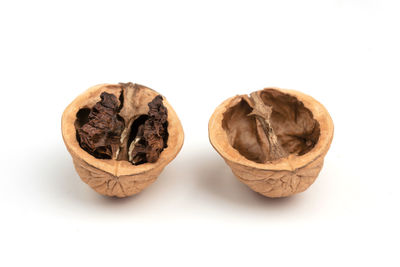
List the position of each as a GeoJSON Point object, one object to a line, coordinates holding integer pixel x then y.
{"type": "Point", "coordinates": [284, 177]}
{"type": "Point", "coordinates": [111, 177]}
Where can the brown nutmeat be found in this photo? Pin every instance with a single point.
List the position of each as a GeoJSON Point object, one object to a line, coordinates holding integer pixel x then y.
{"type": "Point", "coordinates": [274, 140]}
{"type": "Point", "coordinates": [120, 137]}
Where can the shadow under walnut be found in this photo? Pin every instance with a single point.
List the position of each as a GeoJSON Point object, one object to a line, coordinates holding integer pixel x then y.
{"type": "Point", "coordinates": [117, 175]}
{"type": "Point", "coordinates": [274, 140]}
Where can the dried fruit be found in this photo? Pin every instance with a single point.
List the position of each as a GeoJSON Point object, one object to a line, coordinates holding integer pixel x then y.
{"type": "Point", "coordinates": [120, 137]}
{"type": "Point", "coordinates": [274, 140]}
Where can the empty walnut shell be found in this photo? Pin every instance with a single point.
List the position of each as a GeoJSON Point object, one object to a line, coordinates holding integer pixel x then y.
{"type": "Point", "coordinates": [117, 176]}
{"type": "Point", "coordinates": [274, 140]}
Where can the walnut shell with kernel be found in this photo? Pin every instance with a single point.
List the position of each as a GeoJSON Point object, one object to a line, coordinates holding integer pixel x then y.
{"type": "Point", "coordinates": [274, 140]}
{"type": "Point", "coordinates": [120, 137]}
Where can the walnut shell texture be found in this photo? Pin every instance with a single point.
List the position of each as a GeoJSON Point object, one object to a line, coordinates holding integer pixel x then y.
{"type": "Point", "coordinates": [111, 177]}
{"type": "Point", "coordinates": [292, 173]}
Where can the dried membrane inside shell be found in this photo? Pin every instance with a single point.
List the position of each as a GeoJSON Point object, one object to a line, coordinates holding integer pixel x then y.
{"type": "Point", "coordinates": [120, 137]}
{"type": "Point", "coordinates": [274, 140]}
{"type": "Point", "coordinates": [270, 125]}
{"type": "Point", "coordinates": [115, 128]}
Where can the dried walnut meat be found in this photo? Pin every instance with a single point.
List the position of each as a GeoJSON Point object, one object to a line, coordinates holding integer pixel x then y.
{"type": "Point", "coordinates": [99, 133]}
{"type": "Point", "coordinates": [151, 137]}
{"type": "Point", "coordinates": [118, 128]}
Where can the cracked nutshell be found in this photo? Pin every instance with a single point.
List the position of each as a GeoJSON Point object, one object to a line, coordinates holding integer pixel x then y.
{"type": "Point", "coordinates": [120, 137]}
{"type": "Point", "coordinates": [274, 140]}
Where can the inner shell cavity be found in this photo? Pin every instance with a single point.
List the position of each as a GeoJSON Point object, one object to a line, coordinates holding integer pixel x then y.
{"type": "Point", "coordinates": [269, 125]}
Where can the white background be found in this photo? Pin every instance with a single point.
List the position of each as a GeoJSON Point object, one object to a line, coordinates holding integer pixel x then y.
{"type": "Point", "coordinates": [343, 53]}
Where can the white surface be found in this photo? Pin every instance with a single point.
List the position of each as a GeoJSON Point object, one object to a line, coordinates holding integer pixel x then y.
{"type": "Point", "coordinates": [343, 53]}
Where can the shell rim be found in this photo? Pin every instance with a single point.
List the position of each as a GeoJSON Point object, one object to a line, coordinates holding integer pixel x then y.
{"type": "Point", "coordinates": [219, 140]}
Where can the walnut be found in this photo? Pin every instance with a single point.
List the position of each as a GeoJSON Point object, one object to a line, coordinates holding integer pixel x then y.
{"type": "Point", "coordinates": [120, 137]}
{"type": "Point", "coordinates": [274, 140]}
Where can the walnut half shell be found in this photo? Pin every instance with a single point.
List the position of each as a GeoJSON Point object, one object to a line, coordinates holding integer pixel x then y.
{"type": "Point", "coordinates": [274, 140]}
{"type": "Point", "coordinates": [116, 164]}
